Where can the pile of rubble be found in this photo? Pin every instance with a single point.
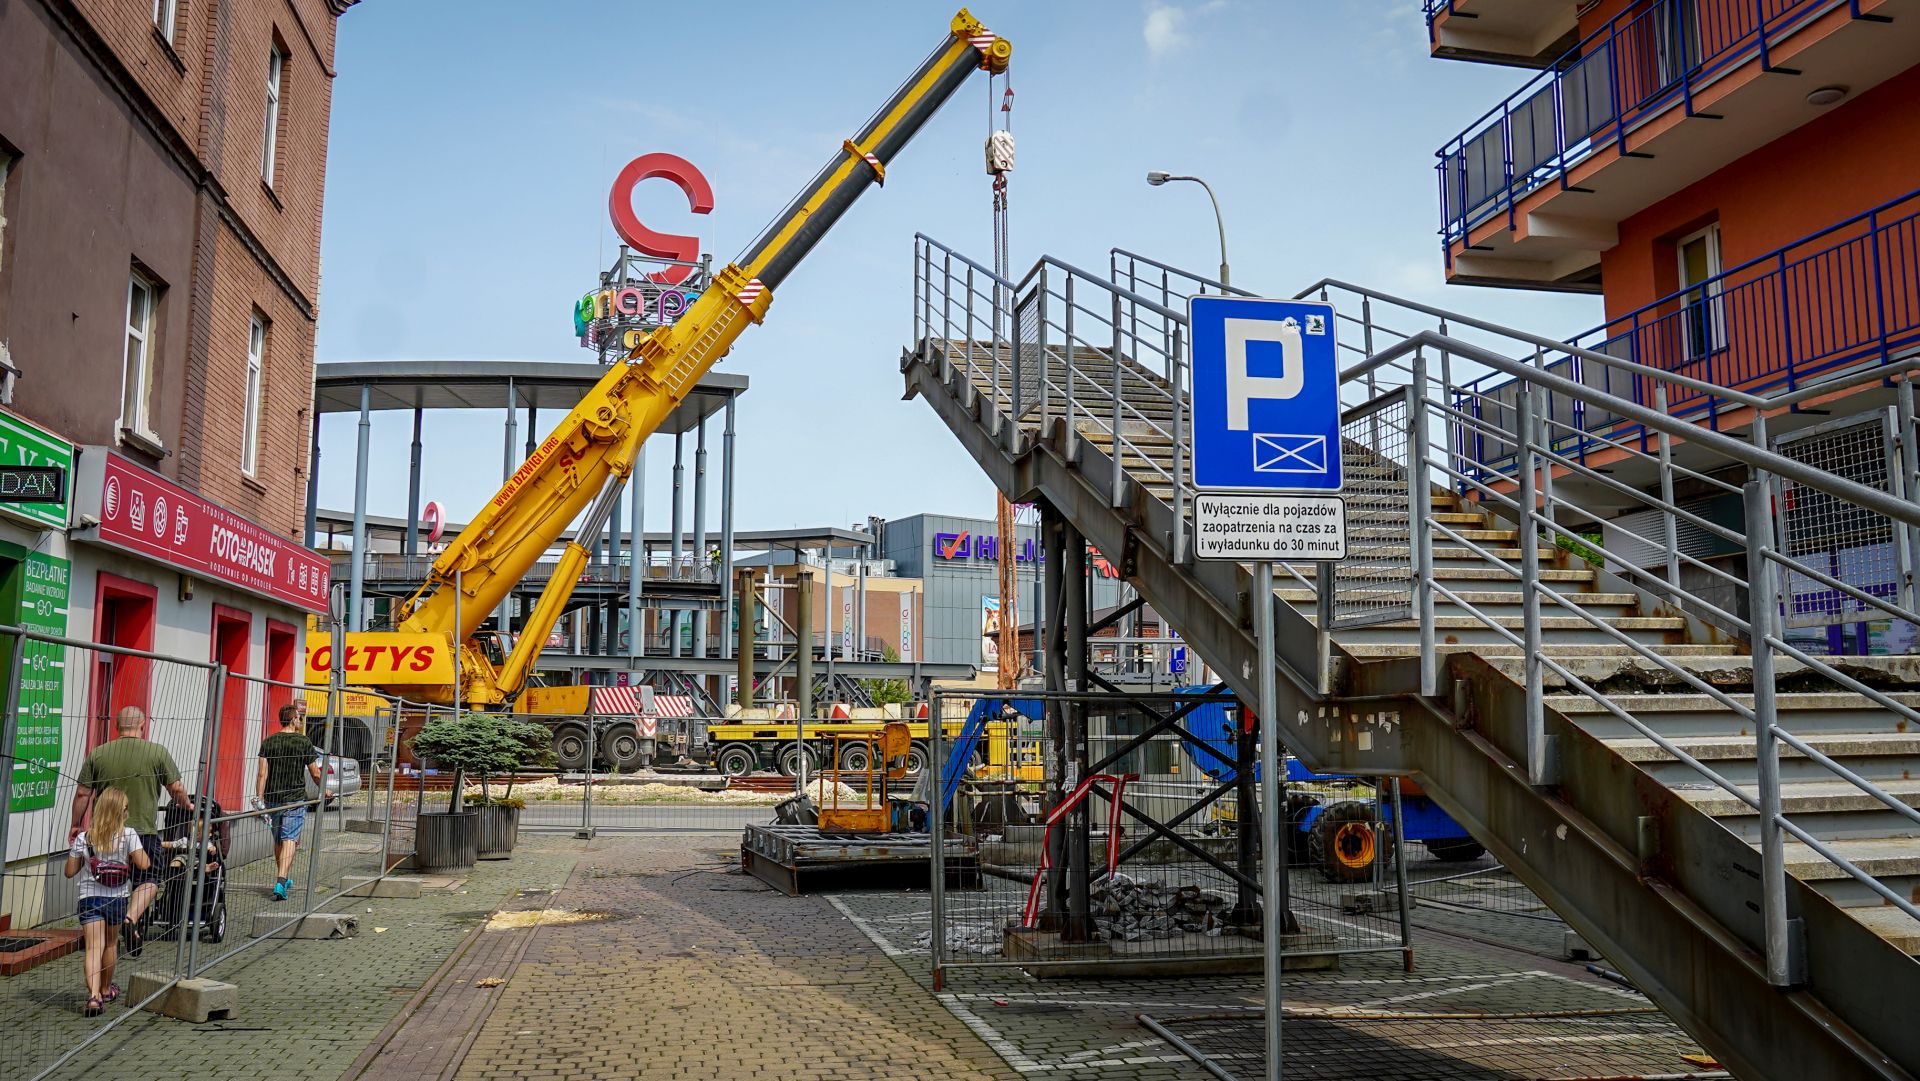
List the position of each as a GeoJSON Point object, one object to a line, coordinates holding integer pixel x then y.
{"type": "Point", "coordinates": [980, 939]}
{"type": "Point", "coordinates": [1127, 909]}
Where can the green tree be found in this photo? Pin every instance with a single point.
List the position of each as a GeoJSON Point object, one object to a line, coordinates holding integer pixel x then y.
{"type": "Point", "coordinates": [481, 745]}
{"type": "Point", "coordinates": [888, 691]}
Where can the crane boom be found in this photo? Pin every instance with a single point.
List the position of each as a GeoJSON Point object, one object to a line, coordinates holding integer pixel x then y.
{"type": "Point", "coordinates": [578, 470]}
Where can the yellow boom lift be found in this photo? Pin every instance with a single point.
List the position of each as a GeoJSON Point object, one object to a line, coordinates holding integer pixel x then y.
{"type": "Point", "coordinates": [580, 468]}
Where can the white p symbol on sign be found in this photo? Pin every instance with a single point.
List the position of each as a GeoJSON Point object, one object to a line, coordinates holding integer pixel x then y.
{"type": "Point", "coordinates": [1243, 388]}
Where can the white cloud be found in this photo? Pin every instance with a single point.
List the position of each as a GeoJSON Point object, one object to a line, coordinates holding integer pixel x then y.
{"type": "Point", "coordinates": [1163, 29]}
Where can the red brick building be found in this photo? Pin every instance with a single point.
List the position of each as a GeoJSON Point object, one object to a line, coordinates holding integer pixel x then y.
{"type": "Point", "coordinates": [162, 167]}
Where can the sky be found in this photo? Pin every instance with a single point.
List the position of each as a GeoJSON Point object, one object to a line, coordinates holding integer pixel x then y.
{"type": "Point", "coordinates": [474, 142]}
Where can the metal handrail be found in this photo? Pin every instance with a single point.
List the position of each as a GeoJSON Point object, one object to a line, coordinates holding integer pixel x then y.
{"type": "Point", "coordinates": [1636, 30]}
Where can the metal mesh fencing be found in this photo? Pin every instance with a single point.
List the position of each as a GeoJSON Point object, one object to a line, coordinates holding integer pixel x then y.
{"type": "Point", "coordinates": [1459, 888]}
{"type": "Point", "coordinates": [1135, 849]}
{"type": "Point", "coordinates": [1843, 539]}
{"type": "Point", "coordinates": [181, 742]}
{"type": "Point", "coordinates": [1374, 584]}
{"type": "Point", "coordinates": [1618, 1039]}
{"type": "Point", "coordinates": [67, 696]}
{"type": "Point", "coordinates": [1029, 353]}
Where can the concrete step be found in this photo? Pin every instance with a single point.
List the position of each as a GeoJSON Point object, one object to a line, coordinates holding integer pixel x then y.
{"type": "Point", "coordinates": [1894, 861]}
{"type": "Point", "coordinates": [1498, 599]}
{"type": "Point", "coordinates": [1467, 630]}
{"type": "Point", "coordinates": [1692, 716]}
{"type": "Point", "coordinates": [1499, 653]}
{"type": "Point", "coordinates": [1830, 811]}
{"type": "Point", "coordinates": [1877, 756]}
{"type": "Point", "coordinates": [1892, 924]}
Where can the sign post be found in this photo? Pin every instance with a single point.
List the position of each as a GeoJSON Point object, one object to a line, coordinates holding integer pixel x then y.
{"type": "Point", "coordinates": [1266, 464]}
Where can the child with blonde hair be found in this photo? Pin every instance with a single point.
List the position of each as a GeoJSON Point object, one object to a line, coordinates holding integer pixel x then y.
{"type": "Point", "coordinates": [104, 859]}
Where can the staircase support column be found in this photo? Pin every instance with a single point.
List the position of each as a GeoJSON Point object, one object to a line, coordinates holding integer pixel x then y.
{"type": "Point", "coordinates": [1053, 668]}
{"type": "Point", "coordinates": [1785, 963]}
{"type": "Point", "coordinates": [1073, 571]}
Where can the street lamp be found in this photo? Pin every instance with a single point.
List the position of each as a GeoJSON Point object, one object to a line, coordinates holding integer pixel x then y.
{"type": "Point", "coordinates": [1158, 177]}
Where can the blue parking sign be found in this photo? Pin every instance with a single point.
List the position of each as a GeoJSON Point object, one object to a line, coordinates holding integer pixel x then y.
{"type": "Point", "coordinates": [1266, 395]}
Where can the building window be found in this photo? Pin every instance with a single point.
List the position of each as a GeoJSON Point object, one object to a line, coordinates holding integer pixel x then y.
{"type": "Point", "coordinates": [163, 17]}
{"type": "Point", "coordinates": [270, 139]}
{"type": "Point", "coordinates": [250, 416]}
{"type": "Point", "coordinates": [1702, 317]}
{"type": "Point", "coordinates": [143, 299]}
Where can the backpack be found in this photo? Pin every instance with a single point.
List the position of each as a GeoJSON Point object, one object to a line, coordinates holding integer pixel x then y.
{"type": "Point", "coordinates": [110, 873]}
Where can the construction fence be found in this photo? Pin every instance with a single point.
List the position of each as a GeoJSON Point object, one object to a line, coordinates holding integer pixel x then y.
{"type": "Point", "coordinates": [1119, 834]}
{"type": "Point", "coordinates": [209, 890]}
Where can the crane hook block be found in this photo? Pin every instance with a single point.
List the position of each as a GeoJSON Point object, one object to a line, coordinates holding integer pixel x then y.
{"type": "Point", "coordinates": [1000, 153]}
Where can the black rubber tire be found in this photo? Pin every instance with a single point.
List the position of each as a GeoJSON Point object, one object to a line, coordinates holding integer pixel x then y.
{"type": "Point", "coordinates": [917, 758]}
{"type": "Point", "coordinates": [854, 757]}
{"type": "Point", "coordinates": [215, 927]}
{"type": "Point", "coordinates": [1455, 849]}
{"type": "Point", "coordinates": [736, 760]}
{"type": "Point", "coordinates": [1297, 807]}
{"type": "Point", "coordinates": [570, 747]}
{"type": "Point", "coordinates": [1345, 843]}
{"type": "Point", "coordinates": [789, 757]}
{"type": "Point", "coordinates": [620, 748]}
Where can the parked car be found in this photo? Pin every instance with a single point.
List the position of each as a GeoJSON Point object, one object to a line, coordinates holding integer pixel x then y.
{"type": "Point", "coordinates": [342, 776]}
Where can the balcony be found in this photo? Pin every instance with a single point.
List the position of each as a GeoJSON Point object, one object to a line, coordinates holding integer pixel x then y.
{"type": "Point", "coordinates": [1663, 95]}
{"type": "Point", "coordinates": [1524, 33]}
{"type": "Point", "coordinates": [1843, 299]}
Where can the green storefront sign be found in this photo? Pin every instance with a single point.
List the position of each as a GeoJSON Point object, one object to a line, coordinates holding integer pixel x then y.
{"type": "Point", "coordinates": [36, 586]}
{"type": "Point", "coordinates": [23, 444]}
{"type": "Point", "coordinates": [33, 594]}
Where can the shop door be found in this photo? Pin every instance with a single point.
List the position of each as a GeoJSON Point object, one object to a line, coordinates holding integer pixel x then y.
{"type": "Point", "coordinates": [123, 614]}
{"type": "Point", "coordinates": [239, 705]}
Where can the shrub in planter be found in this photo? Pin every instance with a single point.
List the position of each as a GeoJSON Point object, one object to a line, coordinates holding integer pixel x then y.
{"type": "Point", "coordinates": [476, 744]}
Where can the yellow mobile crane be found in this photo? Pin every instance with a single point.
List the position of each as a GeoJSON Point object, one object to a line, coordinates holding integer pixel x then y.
{"type": "Point", "coordinates": [579, 470]}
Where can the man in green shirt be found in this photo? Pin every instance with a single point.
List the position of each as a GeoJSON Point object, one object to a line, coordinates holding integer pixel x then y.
{"type": "Point", "coordinates": [287, 758]}
{"type": "Point", "coordinates": [141, 769]}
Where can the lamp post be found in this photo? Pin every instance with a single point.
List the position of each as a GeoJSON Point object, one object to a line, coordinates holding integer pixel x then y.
{"type": "Point", "coordinates": [1273, 892]}
{"type": "Point", "coordinates": [1158, 177]}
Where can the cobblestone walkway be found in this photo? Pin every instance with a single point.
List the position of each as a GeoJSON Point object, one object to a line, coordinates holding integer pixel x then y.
{"type": "Point", "coordinates": [679, 967]}
{"type": "Point", "coordinates": [308, 1008]}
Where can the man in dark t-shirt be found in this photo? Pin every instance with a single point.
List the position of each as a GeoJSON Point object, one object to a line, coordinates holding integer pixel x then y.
{"type": "Point", "coordinates": [287, 759]}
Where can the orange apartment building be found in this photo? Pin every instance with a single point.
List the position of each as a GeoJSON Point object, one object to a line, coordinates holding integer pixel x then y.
{"type": "Point", "coordinates": [1738, 179]}
{"type": "Point", "coordinates": [162, 166]}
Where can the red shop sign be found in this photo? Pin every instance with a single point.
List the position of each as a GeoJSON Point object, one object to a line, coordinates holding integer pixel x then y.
{"type": "Point", "coordinates": [149, 514]}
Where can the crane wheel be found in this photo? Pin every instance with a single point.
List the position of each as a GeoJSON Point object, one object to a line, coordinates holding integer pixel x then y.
{"type": "Point", "coordinates": [737, 760]}
{"type": "Point", "coordinates": [917, 758]}
{"type": "Point", "coordinates": [855, 758]}
{"type": "Point", "coordinates": [570, 747]}
{"type": "Point", "coordinates": [621, 748]}
{"type": "Point", "coordinates": [1345, 842]}
{"type": "Point", "coordinates": [789, 760]}
{"type": "Point", "coordinates": [1455, 849]}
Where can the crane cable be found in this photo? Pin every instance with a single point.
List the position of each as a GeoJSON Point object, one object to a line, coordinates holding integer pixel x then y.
{"type": "Point", "coordinates": [999, 154]}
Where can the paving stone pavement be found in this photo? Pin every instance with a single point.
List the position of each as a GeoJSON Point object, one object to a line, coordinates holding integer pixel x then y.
{"type": "Point", "coordinates": [308, 1008]}
{"type": "Point", "coordinates": [1089, 1029]}
{"type": "Point", "coordinates": [689, 969]}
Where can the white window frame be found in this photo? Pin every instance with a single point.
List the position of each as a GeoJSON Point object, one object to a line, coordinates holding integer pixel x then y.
{"type": "Point", "coordinates": [1695, 293]}
{"type": "Point", "coordinates": [250, 413]}
{"type": "Point", "coordinates": [270, 139]}
{"type": "Point", "coordinates": [165, 14]}
{"type": "Point", "coordinates": [136, 371]}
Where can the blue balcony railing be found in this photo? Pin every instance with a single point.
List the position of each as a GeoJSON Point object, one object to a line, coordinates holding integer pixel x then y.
{"type": "Point", "coordinates": [1651, 57]}
{"type": "Point", "coordinates": [1845, 297]}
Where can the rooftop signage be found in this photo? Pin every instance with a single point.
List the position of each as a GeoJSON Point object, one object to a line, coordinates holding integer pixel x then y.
{"type": "Point", "coordinates": [660, 274]}
{"type": "Point", "coordinates": [964, 547]}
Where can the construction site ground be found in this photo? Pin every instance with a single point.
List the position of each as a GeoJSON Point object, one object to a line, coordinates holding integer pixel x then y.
{"type": "Point", "coordinates": [651, 956]}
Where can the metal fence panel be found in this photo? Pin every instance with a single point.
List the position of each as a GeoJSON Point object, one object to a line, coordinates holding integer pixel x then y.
{"type": "Point", "coordinates": [1172, 853]}
{"type": "Point", "coordinates": [1843, 539]}
{"type": "Point", "coordinates": [1374, 584]}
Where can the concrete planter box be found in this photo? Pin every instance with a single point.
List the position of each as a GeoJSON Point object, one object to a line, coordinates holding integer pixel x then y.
{"type": "Point", "coordinates": [443, 842]}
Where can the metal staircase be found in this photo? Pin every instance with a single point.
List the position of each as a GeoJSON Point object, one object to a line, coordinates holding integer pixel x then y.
{"type": "Point", "coordinates": [1750, 860]}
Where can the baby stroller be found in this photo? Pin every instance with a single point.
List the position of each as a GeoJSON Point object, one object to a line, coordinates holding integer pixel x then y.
{"type": "Point", "coordinates": [178, 834]}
